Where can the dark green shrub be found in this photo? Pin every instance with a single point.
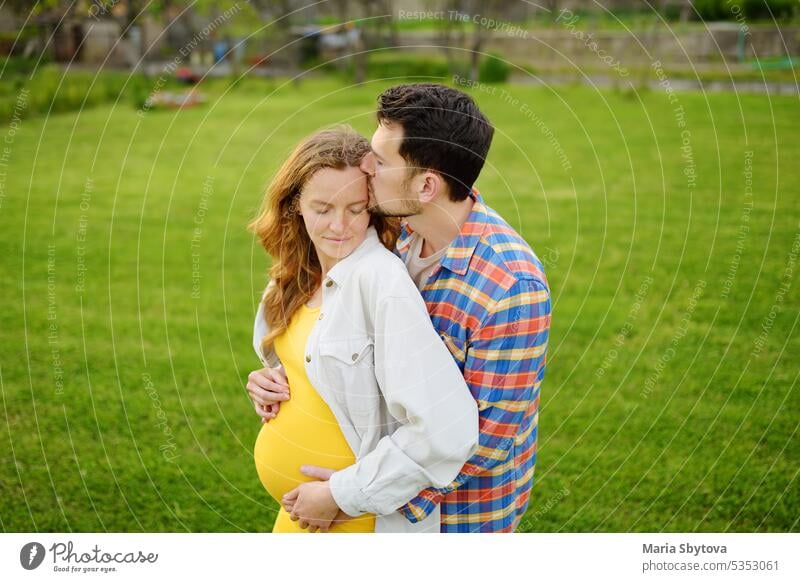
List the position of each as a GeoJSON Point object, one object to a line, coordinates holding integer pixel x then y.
{"type": "Point", "coordinates": [12, 66]}
{"type": "Point", "coordinates": [760, 9]}
{"type": "Point", "coordinates": [390, 65]}
{"type": "Point", "coordinates": [710, 10]}
{"type": "Point", "coordinates": [751, 10]}
{"type": "Point", "coordinates": [493, 69]}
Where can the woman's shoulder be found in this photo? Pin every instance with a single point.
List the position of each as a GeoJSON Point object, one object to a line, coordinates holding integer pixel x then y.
{"type": "Point", "coordinates": [386, 272]}
{"type": "Point", "coordinates": [380, 261]}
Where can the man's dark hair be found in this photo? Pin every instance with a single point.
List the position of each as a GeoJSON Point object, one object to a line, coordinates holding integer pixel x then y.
{"type": "Point", "coordinates": [443, 129]}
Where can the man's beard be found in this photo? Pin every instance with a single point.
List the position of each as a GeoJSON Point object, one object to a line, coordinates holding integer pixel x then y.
{"type": "Point", "coordinates": [409, 207]}
{"type": "Point", "coordinates": [377, 209]}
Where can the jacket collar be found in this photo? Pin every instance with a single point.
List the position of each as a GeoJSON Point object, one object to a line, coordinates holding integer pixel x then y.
{"type": "Point", "coordinates": [341, 270]}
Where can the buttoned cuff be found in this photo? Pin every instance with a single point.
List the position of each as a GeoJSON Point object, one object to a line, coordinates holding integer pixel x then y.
{"type": "Point", "coordinates": [346, 494]}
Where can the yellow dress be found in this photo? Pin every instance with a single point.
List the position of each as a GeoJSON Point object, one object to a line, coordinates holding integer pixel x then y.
{"type": "Point", "coordinates": [305, 431]}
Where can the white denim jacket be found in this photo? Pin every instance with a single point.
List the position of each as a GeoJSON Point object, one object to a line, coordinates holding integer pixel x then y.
{"type": "Point", "coordinates": [400, 399]}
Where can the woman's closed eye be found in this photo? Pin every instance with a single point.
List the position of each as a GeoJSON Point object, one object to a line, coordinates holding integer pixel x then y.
{"type": "Point", "coordinates": [355, 210]}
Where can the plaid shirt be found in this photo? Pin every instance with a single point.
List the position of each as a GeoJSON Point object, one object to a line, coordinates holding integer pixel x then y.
{"type": "Point", "coordinates": [490, 302]}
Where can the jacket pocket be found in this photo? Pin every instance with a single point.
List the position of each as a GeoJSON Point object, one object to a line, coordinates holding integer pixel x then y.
{"type": "Point", "coordinates": [351, 352]}
{"type": "Point", "coordinates": [349, 367]}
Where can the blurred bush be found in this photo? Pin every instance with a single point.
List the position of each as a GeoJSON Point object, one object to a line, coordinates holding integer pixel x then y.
{"type": "Point", "coordinates": [387, 65]}
{"type": "Point", "coordinates": [51, 89]}
{"type": "Point", "coordinates": [493, 69]}
{"type": "Point", "coordinates": [711, 10]}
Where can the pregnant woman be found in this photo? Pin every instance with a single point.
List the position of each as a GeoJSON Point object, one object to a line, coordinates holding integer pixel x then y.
{"type": "Point", "coordinates": [356, 378]}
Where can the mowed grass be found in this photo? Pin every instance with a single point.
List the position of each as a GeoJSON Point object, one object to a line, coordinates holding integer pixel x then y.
{"type": "Point", "coordinates": [129, 284]}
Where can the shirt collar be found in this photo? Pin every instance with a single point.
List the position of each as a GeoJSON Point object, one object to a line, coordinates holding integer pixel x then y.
{"type": "Point", "coordinates": [341, 270]}
{"type": "Point", "coordinates": [459, 253]}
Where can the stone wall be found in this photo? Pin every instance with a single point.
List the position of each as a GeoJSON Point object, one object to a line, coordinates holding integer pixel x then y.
{"type": "Point", "coordinates": [719, 42]}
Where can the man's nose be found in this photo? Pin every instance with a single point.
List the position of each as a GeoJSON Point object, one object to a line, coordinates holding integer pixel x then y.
{"type": "Point", "coordinates": [368, 164]}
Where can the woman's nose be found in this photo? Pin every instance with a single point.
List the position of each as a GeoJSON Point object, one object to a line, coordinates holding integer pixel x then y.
{"type": "Point", "coordinates": [337, 225]}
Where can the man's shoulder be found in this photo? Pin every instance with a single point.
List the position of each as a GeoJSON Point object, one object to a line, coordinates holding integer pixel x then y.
{"type": "Point", "coordinates": [505, 256]}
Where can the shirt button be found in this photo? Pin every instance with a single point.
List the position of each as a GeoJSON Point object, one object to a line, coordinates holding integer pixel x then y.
{"type": "Point", "coordinates": [320, 315]}
{"type": "Point", "coordinates": [308, 358]}
{"type": "Point", "coordinates": [328, 283]}
{"type": "Point", "coordinates": [355, 357]}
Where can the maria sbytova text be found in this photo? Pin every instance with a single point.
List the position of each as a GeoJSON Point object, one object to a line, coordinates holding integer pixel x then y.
{"type": "Point", "coordinates": [683, 549]}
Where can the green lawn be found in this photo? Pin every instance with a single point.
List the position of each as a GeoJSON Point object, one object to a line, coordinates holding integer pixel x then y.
{"type": "Point", "coordinates": [130, 283]}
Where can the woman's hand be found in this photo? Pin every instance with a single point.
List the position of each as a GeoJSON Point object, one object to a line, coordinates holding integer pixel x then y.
{"type": "Point", "coordinates": [268, 387]}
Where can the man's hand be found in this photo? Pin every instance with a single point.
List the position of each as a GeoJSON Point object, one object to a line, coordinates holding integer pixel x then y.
{"type": "Point", "coordinates": [312, 503]}
{"type": "Point", "coordinates": [268, 387]}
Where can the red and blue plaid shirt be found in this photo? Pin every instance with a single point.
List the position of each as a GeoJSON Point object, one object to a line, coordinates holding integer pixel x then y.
{"type": "Point", "coordinates": [490, 302]}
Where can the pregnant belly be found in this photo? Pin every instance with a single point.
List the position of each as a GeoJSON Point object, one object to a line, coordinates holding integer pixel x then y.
{"type": "Point", "coordinates": [298, 437]}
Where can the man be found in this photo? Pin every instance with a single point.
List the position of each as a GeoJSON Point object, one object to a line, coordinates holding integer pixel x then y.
{"type": "Point", "coordinates": [485, 291]}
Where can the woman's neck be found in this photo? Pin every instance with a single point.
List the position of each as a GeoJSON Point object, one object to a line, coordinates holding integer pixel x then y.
{"type": "Point", "coordinates": [326, 266]}
{"type": "Point", "coordinates": [316, 298]}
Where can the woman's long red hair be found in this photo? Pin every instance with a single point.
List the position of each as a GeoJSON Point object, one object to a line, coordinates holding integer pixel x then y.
{"type": "Point", "coordinates": [279, 227]}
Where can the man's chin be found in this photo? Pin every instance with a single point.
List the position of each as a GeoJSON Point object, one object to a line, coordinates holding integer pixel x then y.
{"type": "Point", "coordinates": [386, 214]}
{"type": "Point", "coordinates": [377, 209]}
{"type": "Point", "coordinates": [390, 213]}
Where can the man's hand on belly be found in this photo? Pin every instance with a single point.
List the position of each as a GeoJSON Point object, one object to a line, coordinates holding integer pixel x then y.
{"type": "Point", "coordinates": [322, 474]}
{"type": "Point", "coordinates": [313, 505]}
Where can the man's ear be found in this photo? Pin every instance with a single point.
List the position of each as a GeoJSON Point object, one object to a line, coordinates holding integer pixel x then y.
{"type": "Point", "coordinates": [429, 187]}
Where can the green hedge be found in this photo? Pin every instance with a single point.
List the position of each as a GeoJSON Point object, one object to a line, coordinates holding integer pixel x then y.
{"type": "Point", "coordinates": [389, 65]}
{"type": "Point", "coordinates": [751, 9]}
{"type": "Point", "coordinates": [52, 89]}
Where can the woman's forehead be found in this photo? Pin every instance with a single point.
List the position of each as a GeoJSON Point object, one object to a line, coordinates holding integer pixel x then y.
{"type": "Point", "coordinates": [332, 186]}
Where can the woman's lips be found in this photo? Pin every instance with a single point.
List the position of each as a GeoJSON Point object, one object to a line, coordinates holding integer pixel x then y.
{"type": "Point", "coordinates": [337, 240]}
